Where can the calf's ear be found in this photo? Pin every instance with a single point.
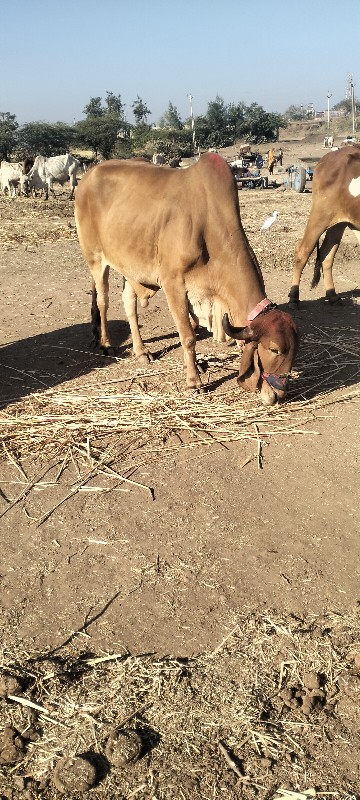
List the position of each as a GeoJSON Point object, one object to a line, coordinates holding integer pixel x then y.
{"type": "Point", "coordinates": [249, 372]}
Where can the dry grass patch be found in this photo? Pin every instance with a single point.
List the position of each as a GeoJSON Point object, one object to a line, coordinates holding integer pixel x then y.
{"type": "Point", "coordinates": [220, 724]}
{"type": "Point", "coordinates": [109, 428]}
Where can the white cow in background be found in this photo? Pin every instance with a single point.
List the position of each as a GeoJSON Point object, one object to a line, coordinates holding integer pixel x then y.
{"type": "Point", "coordinates": [11, 177]}
{"type": "Point", "coordinates": [57, 168]}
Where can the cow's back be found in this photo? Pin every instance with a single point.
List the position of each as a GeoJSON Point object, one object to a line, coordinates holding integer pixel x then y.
{"type": "Point", "coordinates": [336, 169]}
{"type": "Point", "coordinates": [139, 216]}
{"type": "Point", "coordinates": [149, 201]}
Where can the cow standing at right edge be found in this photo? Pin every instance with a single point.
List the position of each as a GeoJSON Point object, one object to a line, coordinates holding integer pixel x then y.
{"type": "Point", "coordinates": [335, 206]}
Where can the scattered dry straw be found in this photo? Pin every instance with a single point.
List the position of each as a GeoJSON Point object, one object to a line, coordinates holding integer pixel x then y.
{"type": "Point", "coordinates": [113, 418]}
{"type": "Point", "coordinates": [211, 726]}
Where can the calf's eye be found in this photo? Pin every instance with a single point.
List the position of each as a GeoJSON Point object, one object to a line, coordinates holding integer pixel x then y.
{"type": "Point", "coordinates": [274, 350]}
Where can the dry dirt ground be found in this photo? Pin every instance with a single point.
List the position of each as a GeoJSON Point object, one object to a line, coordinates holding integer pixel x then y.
{"type": "Point", "coordinates": [182, 567]}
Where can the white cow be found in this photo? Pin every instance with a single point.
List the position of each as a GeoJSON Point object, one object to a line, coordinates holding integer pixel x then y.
{"type": "Point", "coordinates": [12, 177]}
{"type": "Point", "coordinates": [57, 168]}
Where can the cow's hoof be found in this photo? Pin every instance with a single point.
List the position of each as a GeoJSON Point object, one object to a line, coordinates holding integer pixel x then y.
{"type": "Point", "coordinates": [202, 366]}
{"type": "Point", "coordinates": [331, 297]}
{"type": "Point", "coordinates": [145, 359]}
{"type": "Point", "coordinates": [192, 391]}
{"type": "Point", "coordinates": [108, 351]}
{"type": "Point", "coordinates": [294, 296]}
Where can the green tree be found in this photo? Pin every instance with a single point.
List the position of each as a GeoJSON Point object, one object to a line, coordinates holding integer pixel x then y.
{"type": "Point", "coordinates": [171, 118]}
{"type": "Point", "coordinates": [8, 139]}
{"type": "Point", "coordinates": [216, 115]}
{"type": "Point", "coordinates": [173, 143]}
{"type": "Point", "coordinates": [98, 134]}
{"type": "Point", "coordinates": [202, 130]}
{"type": "Point", "coordinates": [346, 106]}
{"type": "Point", "coordinates": [235, 117]}
{"type": "Point", "coordinates": [103, 126]}
{"type": "Point", "coordinates": [94, 108]}
{"type": "Point", "coordinates": [140, 111]}
{"type": "Point", "coordinates": [260, 126]}
{"type": "Point", "coordinates": [114, 105]}
{"type": "Point", "coordinates": [45, 138]}
{"type": "Point", "coordinates": [295, 113]}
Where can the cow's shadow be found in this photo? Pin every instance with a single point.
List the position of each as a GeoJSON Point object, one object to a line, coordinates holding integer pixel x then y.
{"type": "Point", "coordinates": [327, 358]}
{"type": "Point", "coordinates": [329, 345]}
{"type": "Point", "coordinates": [49, 359]}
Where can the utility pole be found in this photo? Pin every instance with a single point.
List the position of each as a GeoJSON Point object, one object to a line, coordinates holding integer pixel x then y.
{"type": "Point", "coordinates": [352, 85]}
{"type": "Point", "coordinates": [328, 108]}
{"type": "Point", "coordinates": [193, 127]}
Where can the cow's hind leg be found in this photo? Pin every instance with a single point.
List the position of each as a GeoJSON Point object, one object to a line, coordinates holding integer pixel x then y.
{"type": "Point", "coordinates": [129, 298]}
{"type": "Point", "coordinates": [325, 260]}
{"type": "Point", "coordinates": [303, 252]}
{"type": "Point", "coordinates": [99, 307]}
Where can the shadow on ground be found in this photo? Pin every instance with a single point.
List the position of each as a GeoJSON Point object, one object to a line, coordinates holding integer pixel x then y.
{"type": "Point", "coordinates": [47, 360]}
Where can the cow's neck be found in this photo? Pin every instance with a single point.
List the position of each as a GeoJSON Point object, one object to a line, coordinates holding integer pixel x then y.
{"type": "Point", "coordinates": [236, 276]}
{"type": "Point", "coordinates": [244, 287]}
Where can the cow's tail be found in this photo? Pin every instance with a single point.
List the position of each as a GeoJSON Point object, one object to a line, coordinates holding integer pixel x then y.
{"type": "Point", "coordinates": [317, 268]}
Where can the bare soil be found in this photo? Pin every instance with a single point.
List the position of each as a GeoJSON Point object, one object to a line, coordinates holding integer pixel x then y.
{"type": "Point", "coordinates": [195, 582]}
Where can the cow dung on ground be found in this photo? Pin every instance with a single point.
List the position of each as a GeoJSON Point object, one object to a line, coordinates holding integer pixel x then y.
{"type": "Point", "coordinates": [123, 747]}
{"type": "Point", "coordinates": [12, 746]}
{"type": "Point", "coordinates": [74, 775]}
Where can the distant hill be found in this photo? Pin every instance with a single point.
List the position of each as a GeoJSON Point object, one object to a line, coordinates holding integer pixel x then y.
{"type": "Point", "coordinates": [315, 130]}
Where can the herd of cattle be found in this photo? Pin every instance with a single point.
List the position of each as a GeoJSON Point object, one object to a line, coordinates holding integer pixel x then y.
{"type": "Point", "coordinates": [181, 230]}
{"type": "Point", "coordinates": [39, 175]}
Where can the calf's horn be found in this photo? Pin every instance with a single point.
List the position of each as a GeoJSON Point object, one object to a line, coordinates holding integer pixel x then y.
{"type": "Point", "coordinates": [244, 333]}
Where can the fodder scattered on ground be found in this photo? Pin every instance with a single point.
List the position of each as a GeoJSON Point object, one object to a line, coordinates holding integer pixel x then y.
{"type": "Point", "coordinates": [266, 710]}
{"type": "Point", "coordinates": [110, 427]}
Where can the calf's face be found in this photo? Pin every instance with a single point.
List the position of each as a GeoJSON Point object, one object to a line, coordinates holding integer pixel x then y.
{"type": "Point", "coordinates": [270, 345]}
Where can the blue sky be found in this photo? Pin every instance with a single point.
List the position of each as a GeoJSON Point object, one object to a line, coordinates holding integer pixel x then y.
{"type": "Point", "coordinates": [62, 52]}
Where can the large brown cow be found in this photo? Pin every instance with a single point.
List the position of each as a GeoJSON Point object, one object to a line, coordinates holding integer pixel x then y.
{"type": "Point", "coordinates": [180, 230]}
{"type": "Point", "coordinates": [335, 206]}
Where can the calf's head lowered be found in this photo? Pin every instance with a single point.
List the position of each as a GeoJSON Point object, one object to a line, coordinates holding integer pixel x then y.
{"type": "Point", "coordinates": [270, 342]}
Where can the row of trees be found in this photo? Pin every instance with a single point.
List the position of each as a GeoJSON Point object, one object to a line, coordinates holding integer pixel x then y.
{"type": "Point", "coordinates": [106, 132]}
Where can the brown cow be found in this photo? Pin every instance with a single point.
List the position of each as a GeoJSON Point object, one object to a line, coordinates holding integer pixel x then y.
{"type": "Point", "coordinates": [335, 206]}
{"type": "Point", "coordinates": [180, 230]}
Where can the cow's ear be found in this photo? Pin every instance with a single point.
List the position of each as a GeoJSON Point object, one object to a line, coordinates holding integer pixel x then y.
{"type": "Point", "coordinates": [246, 333]}
{"type": "Point", "coordinates": [249, 366]}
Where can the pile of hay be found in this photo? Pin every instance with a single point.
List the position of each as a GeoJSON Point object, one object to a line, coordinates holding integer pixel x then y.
{"type": "Point", "coordinates": [112, 427]}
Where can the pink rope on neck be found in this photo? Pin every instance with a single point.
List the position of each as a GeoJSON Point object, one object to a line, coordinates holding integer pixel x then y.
{"type": "Point", "coordinates": [258, 309]}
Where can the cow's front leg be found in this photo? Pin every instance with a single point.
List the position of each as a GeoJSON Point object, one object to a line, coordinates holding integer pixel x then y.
{"type": "Point", "coordinates": [174, 289]}
{"type": "Point", "coordinates": [73, 182]}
